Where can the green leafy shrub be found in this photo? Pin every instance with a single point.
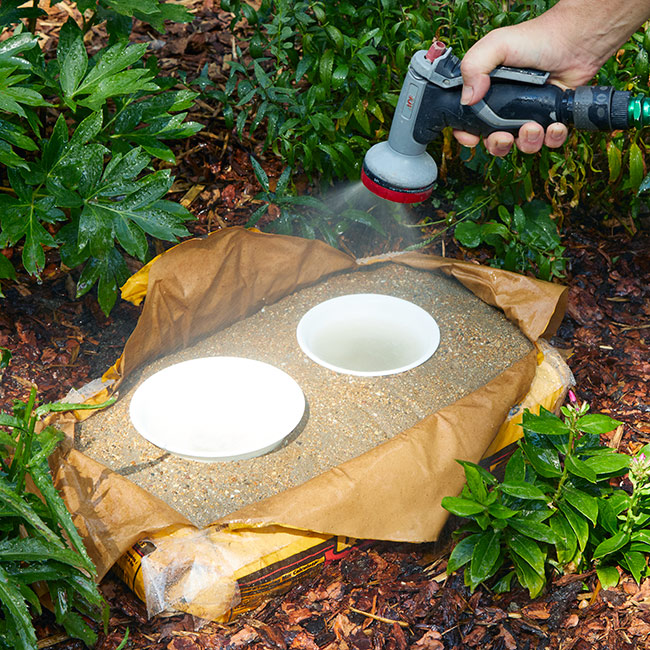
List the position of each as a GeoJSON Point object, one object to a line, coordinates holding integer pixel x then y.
{"type": "Point", "coordinates": [38, 540]}
{"type": "Point", "coordinates": [78, 139]}
{"type": "Point", "coordinates": [309, 215]}
{"type": "Point", "coordinates": [555, 508]}
{"type": "Point", "coordinates": [321, 77]}
{"type": "Point", "coordinates": [526, 239]}
{"type": "Point", "coordinates": [116, 14]}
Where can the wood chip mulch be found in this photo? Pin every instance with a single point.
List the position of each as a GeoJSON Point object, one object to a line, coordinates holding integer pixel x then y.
{"type": "Point", "coordinates": [391, 596]}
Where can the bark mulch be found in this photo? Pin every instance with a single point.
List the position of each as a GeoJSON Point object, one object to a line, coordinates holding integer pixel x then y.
{"type": "Point", "coordinates": [391, 596]}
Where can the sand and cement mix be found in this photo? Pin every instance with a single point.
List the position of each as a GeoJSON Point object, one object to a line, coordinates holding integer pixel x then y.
{"type": "Point", "coordinates": [345, 416]}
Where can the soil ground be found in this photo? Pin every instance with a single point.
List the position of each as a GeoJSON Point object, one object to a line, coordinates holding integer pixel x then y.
{"type": "Point", "coordinates": [383, 595]}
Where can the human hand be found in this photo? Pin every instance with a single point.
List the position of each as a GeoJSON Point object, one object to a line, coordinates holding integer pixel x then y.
{"type": "Point", "coordinates": [534, 44]}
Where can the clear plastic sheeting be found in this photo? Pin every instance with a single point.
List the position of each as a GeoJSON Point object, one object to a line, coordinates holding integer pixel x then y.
{"type": "Point", "coordinates": [197, 571]}
{"type": "Point", "coordinates": [189, 572]}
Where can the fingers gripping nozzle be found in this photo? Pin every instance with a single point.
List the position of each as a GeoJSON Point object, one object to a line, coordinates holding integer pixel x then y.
{"type": "Point", "coordinates": [401, 170]}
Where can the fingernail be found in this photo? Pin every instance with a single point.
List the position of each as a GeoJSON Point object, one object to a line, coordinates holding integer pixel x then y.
{"type": "Point", "coordinates": [501, 149]}
{"type": "Point", "coordinates": [556, 132]}
{"type": "Point", "coordinates": [466, 95]}
{"type": "Point", "coordinates": [532, 137]}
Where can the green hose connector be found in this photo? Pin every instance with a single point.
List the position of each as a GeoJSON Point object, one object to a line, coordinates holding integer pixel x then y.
{"type": "Point", "coordinates": [638, 111]}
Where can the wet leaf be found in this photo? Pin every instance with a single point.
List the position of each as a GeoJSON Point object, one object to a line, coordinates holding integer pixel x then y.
{"type": "Point", "coordinates": [611, 544]}
{"type": "Point", "coordinates": [608, 576]}
{"type": "Point", "coordinates": [485, 556]}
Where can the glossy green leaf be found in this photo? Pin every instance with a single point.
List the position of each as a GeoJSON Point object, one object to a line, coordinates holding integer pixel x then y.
{"type": "Point", "coordinates": [534, 530]}
{"type": "Point", "coordinates": [8, 272]}
{"type": "Point", "coordinates": [12, 11]}
{"type": "Point", "coordinates": [637, 170]}
{"type": "Point", "coordinates": [175, 12]}
{"type": "Point", "coordinates": [283, 181]}
{"type": "Point", "coordinates": [340, 75]}
{"type": "Point", "coordinates": [611, 544]}
{"type": "Point", "coordinates": [635, 563]}
{"type": "Point", "coordinates": [36, 550]}
{"type": "Point", "coordinates": [546, 462]}
{"type": "Point", "coordinates": [5, 358]}
{"type": "Point", "coordinates": [335, 35]}
{"type": "Point", "coordinates": [87, 129]}
{"type": "Point", "coordinates": [48, 439]}
{"type": "Point", "coordinates": [42, 478]}
{"type": "Point", "coordinates": [645, 185]}
{"type": "Point", "coordinates": [476, 479]}
{"type": "Point", "coordinates": [72, 57]}
{"type": "Point", "coordinates": [485, 556]}
{"type": "Point", "coordinates": [113, 61]}
{"type": "Point", "coordinates": [11, 500]}
{"type": "Point", "coordinates": [120, 83]}
{"type": "Point", "coordinates": [528, 577]}
{"type": "Point", "coordinates": [611, 463]}
{"type": "Point", "coordinates": [581, 501]}
{"type": "Point", "coordinates": [260, 174]}
{"type": "Point", "coordinates": [361, 115]}
{"type": "Point", "coordinates": [468, 234]}
{"type": "Point", "coordinates": [14, 604]}
{"type": "Point", "coordinates": [462, 507]}
{"type": "Point", "coordinates": [462, 553]}
{"type": "Point", "coordinates": [608, 576]}
{"type": "Point", "coordinates": [7, 420]}
{"type": "Point", "coordinates": [614, 160]}
{"type": "Point", "coordinates": [499, 511]}
{"type": "Point", "coordinates": [528, 550]}
{"type": "Point", "coordinates": [579, 524]}
{"type": "Point", "coordinates": [596, 423]}
{"type": "Point", "coordinates": [641, 536]}
{"type": "Point", "coordinates": [578, 468]}
{"type": "Point", "coordinates": [607, 516]}
{"type": "Point", "coordinates": [494, 229]}
{"type": "Point", "coordinates": [304, 65]}
{"type": "Point", "coordinates": [523, 490]}
{"type": "Point", "coordinates": [545, 423]}
{"type": "Point", "coordinates": [14, 134]}
{"type": "Point", "coordinates": [325, 67]}
{"type": "Point", "coordinates": [641, 65]}
{"type": "Point", "coordinates": [257, 215]}
{"type": "Point", "coordinates": [516, 468]}
{"type": "Point", "coordinates": [567, 544]}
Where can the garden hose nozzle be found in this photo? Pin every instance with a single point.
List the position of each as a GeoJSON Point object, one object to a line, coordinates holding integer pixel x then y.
{"type": "Point", "coordinates": [401, 170]}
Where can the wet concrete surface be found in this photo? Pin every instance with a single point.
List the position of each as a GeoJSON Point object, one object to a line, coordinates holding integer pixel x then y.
{"type": "Point", "coordinates": [345, 416]}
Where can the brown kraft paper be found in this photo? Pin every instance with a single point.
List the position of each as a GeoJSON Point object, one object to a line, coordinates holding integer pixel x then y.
{"type": "Point", "coordinates": [392, 492]}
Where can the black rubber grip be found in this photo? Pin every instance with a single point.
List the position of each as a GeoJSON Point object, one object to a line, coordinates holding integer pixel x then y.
{"type": "Point", "coordinates": [509, 105]}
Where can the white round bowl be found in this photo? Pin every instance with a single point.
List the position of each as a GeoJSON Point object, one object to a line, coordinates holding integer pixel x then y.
{"type": "Point", "coordinates": [368, 334]}
{"type": "Point", "coordinates": [217, 408]}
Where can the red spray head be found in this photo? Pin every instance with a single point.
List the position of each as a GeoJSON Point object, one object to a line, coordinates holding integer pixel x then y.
{"type": "Point", "coordinates": [401, 170]}
{"type": "Point", "coordinates": [398, 177]}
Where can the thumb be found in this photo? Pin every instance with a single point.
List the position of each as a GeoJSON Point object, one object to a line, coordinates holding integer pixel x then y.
{"type": "Point", "coordinates": [480, 60]}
